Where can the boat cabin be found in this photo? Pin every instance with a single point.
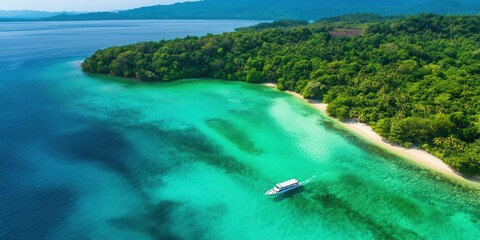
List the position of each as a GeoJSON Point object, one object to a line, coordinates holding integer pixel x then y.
{"type": "Point", "coordinates": [287, 184]}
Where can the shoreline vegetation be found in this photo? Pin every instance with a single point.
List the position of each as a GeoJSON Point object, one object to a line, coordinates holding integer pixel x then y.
{"type": "Point", "coordinates": [415, 80]}
{"type": "Point", "coordinates": [366, 132]}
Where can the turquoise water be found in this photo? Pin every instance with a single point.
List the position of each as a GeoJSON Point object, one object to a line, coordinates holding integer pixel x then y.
{"type": "Point", "coordinates": [203, 152]}
{"type": "Point", "coordinates": [96, 157]}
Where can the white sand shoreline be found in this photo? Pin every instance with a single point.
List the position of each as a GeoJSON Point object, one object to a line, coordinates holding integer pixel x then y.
{"type": "Point", "coordinates": [364, 131]}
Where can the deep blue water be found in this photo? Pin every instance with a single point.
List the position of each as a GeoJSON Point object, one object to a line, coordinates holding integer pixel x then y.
{"type": "Point", "coordinates": [37, 192]}
{"type": "Point", "coordinates": [96, 157]}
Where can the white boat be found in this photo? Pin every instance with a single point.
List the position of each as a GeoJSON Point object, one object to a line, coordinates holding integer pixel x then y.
{"type": "Point", "coordinates": [283, 187]}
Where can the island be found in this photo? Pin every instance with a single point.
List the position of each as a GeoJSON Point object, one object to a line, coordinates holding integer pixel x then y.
{"type": "Point", "coordinates": [415, 80]}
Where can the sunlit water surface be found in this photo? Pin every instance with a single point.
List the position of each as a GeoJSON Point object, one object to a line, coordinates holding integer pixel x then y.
{"type": "Point", "coordinates": [96, 157]}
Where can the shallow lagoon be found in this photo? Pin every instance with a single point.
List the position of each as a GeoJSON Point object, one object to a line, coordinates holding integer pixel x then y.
{"type": "Point", "coordinates": [89, 156]}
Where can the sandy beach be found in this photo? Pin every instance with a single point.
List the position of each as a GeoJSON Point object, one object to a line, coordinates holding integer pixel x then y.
{"type": "Point", "coordinates": [365, 132]}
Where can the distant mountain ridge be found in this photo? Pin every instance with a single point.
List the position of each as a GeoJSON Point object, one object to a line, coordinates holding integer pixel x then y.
{"type": "Point", "coordinates": [449, 7]}
{"type": "Point", "coordinates": [26, 14]}
{"type": "Point", "coordinates": [281, 9]}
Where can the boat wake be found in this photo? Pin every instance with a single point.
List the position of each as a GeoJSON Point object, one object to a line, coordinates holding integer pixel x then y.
{"type": "Point", "coordinates": [307, 181]}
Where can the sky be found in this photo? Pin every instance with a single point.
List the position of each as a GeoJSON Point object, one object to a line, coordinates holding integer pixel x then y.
{"type": "Point", "coordinates": [79, 5]}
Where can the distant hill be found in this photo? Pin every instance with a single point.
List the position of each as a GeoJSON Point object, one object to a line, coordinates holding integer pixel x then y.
{"type": "Point", "coordinates": [25, 14]}
{"type": "Point", "coordinates": [281, 9]}
{"type": "Point", "coordinates": [263, 9]}
{"type": "Point", "coordinates": [87, 16]}
{"type": "Point", "coordinates": [447, 7]}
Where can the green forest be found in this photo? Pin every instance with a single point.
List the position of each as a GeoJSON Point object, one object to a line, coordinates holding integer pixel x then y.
{"type": "Point", "coordinates": [415, 80]}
